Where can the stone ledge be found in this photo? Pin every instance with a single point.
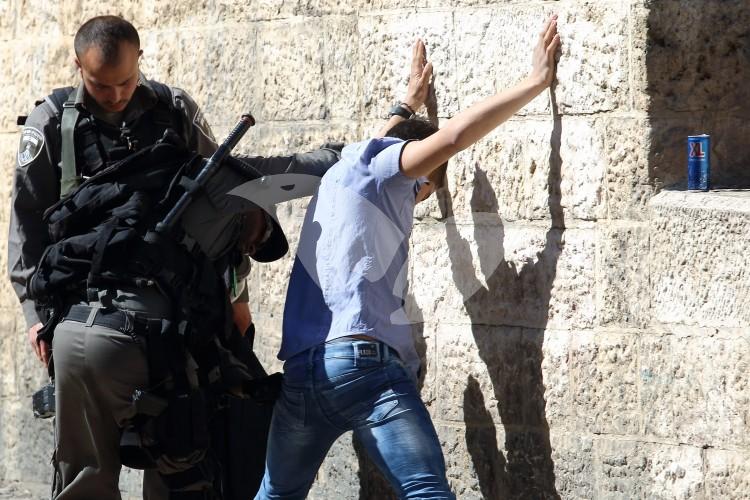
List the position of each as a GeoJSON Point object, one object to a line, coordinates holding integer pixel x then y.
{"type": "Point", "coordinates": [698, 258]}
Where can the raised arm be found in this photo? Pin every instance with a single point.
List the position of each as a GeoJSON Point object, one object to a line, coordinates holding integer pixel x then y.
{"type": "Point", "coordinates": [417, 91]}
{"type": "Point", "coordinates": [419, 158]}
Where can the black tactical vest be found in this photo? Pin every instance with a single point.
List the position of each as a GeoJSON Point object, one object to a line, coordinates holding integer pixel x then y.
{"type": "Point", "coordinates": [102, 237]}
{"type": "Point", "coordinates": [98, 143]}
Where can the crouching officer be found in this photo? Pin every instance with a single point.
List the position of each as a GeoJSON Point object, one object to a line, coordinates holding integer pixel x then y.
{"type": "Point", "coordinates": [122, 312]}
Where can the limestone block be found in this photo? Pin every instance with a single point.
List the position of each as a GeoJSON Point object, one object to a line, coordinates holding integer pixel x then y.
{"type": "Point", "coordinates": [510, 170]}
{"type": "Point", "coordinates": [39, 18]}
{"type": "Point", "coordinates": [385, 54]}
{"type": "Point", "coordinates": [34, 68]}
{"type": "Point", "coordinates": [268, 341]}
{"type": "Point", "coordinates": [497, 376]}
{"type": "Point", "coordinates": [604, 383]}
{"type": "Point", "coordinates": [573, 457]}
{"type": "Point", "coordinates": [623, 275]}
{"type": "Point", "coordinates": [76, 12]}
{"type": "Point", "coordinates": [8, 18]}
{"type": "Point", "coordinates": [699, 260]}
{"type": "Point", "coordinates": [268, 139]}
{"type": "Point", "coordinates": [495, 46]}
{"type": "Point", "coordinates": [291, 70]}
{"type": "Point", "coordinates": [694, 60]}
{"type": "Point", "coordinates": [338, 476]}
{"type": "Point", "coordinates": [686, 400]}
{"type": "Point", "coordinates": [216, 67]}
{"type": "Point", "coordinates": [628, 154]}
{"type": "Point", "coordinates": [8, 150]}
{"type": "Point", "coordinates": [631, 469]}
{"type": "Point", "coordinates": [162, 13]}
{"type": "Point", "coordinates": [8, 343]}
{"type": "Point", "coordinates": [727, 474]}
{"type": "Point", "coordinates": [730, 155]}
{"type": "Point", "coordinates": [475, 471]}
{"type": "Point", "coordinates": [31, 375]}
{"type": "Point", "coordinates": [131, 483]}
{"type": "Point", "coordinates": [26, 442]}
{"type": "Point", "coordinates": [496, 273]}
{"type": "Point", "coordinates": [485, 462]}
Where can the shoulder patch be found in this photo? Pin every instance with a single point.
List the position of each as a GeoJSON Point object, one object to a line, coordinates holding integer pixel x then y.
{"type": "Point", "coordinates": [201, 124]}
{"type": "Point", "coordinates": [32, 143]}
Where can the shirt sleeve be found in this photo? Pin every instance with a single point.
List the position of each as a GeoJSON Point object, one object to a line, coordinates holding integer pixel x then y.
{"type": "Point", "coordinates": [36, 187]}
{"type": "Point", "coordinates": [200, 136]}
{"type": "Point", "coordinates": [384, 158]}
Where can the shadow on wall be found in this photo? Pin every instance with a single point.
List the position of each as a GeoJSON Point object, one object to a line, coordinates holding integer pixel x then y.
{"type": "Point", "coordinates": [698, 69]}
{"type": "Point", "coordinates": [513, 355]}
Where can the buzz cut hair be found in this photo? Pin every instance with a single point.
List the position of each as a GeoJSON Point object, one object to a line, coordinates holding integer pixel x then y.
{"type": "Point", "coordinates": [106, 33]}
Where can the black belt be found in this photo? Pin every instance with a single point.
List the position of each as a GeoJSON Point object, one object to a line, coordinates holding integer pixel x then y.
{"type": "Point", "coordinates": [115, 319]}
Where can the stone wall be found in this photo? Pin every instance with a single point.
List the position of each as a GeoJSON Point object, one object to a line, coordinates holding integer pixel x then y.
{"type": "Point", "coordinates": [583, 336]}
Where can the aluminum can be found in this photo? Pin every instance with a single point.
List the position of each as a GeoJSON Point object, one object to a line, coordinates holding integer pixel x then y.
{"type": "Point", "coordinates": [699, 162]}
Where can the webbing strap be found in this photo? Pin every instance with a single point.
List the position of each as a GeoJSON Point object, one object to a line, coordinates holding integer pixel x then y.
{"type": "Point", "coordinates": [69, 179]}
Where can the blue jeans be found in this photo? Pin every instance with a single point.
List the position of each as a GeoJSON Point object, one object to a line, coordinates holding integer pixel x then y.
{"type": "Point", "coordinates": [360, 386]}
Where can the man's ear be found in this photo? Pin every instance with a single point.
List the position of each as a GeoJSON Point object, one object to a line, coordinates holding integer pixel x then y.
{"type": "Point", "coordinates": [140, 53]}
{"type": "Point", "coordinates": [78, 63]}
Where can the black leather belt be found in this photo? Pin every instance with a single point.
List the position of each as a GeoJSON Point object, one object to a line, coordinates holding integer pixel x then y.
{"type": "Point", "coordinates": [125, 322]}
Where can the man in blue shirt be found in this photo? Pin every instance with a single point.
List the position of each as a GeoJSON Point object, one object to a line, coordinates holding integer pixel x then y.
{"type": "Point", "coordinates": [350, 362]}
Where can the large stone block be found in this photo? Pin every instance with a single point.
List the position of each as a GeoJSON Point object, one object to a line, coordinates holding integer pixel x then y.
{"type": "Point", "coordinates": [34, 67]}
{"type": "Point", "coordinates": [573, 456]}
{"type": "Point", "coordinates": [629, 146]}
{"type": "Point", "coordinates": [695, 55]}
{"type": "Point", "coordinates": [339, 475]}
{"type": "Point", "coordinates": [604, 383]}
{"type": "Point", "coordinates": [8, 19]}
{"type": "Point", "coordinates": [632, 469]}
{"type": "Point", "coordinates": [267, 139]}
{"type": "Point", "coordinates": [486, 462]}
{"type": "Point", "coordinates": [727, 474]}
{"type": "Point", "coordinates": [495, 46]}
{"type": "Point", "coordinates": [533, 169]}
{"type": "Point", "coordinates": [623, 275]}
{"type": "Point", "coordinates": [26, 442]}
{"type": "Point", "coordinates": [699, 258]}
{"type": "Point", "coordinates": [300, 60]}
{"type": "Point", "coordinates": [8, 343]}
{"type": "Point", "coordinates": [385, 54]}
{"type": "Point", "coordinates": [162, 13]}
{"type": "Point", "coordinates": [695, 388]}
{"type": "Point", "coordinates": [502, 376]}
{"type": "Point", "coordinates": [496, 273]}
{"type": "Point", "coordinates": [217, 67]}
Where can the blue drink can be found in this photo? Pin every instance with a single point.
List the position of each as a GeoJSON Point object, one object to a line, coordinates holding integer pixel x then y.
{"type": "Point", "coordinates": [699, 162]}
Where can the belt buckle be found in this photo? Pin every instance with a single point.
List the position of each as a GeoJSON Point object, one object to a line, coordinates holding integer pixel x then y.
{"type": "Point", "coordinates": [367, 349]}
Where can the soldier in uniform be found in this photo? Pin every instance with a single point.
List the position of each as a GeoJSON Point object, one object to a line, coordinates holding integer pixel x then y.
{"type": "Point", "coordinates": [72, 135]}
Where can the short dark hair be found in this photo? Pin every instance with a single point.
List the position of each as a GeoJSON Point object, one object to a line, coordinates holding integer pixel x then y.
{"type": "Point", "coordinates": [412, 129]}
{"type": "Point", "coordinates": [418, 129]}
{"type": "Point", "coordinates": [105, 33]}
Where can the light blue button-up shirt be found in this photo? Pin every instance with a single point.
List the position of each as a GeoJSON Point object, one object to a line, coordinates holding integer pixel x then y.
{"type": "Point", "coordinates": [349, 275]}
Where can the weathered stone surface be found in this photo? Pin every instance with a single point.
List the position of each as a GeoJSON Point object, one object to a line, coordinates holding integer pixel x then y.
{"type": "Point", "coordinates": [385, 54]}
{"type": "Point", "coordinates": [628, 469]}
{"type": "Point", "coordinates": [339, 474]}
{"type": "Point", "coordinates": [727, 474]}
{"type": "Point", "coordinates": [695, 55]}
{"type": "Point", "coordinates": [623, 270]}
{"type": "Point", "coordinates": [496, 273]}
{"type": "Point", "coordinates": [573, 456]}
{"type": "Point", "coordinates": [52, 67]}
{"type": "Point", "coordinates": [496, 376]}
{"type": "Point", "coordinates": [695, 387]}
{"type": "Point", "coordinates": [628, 183]}
{"type": "Point", "coordinates": [532, 169]}
{"type": "Point", "coordinates": [495, 46]}
{"type": "Point", "coordinates": [26, 442]}
{"type": "Point", "coordinates": [604, 383]}
{"type": "Point", "coordinates": [199, 62]}
{"type": "Point", "coordinates": [699, 259]}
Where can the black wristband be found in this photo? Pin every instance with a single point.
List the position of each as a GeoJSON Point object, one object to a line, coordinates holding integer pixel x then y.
{"type": "Point", "coordinates": [401, 111]}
